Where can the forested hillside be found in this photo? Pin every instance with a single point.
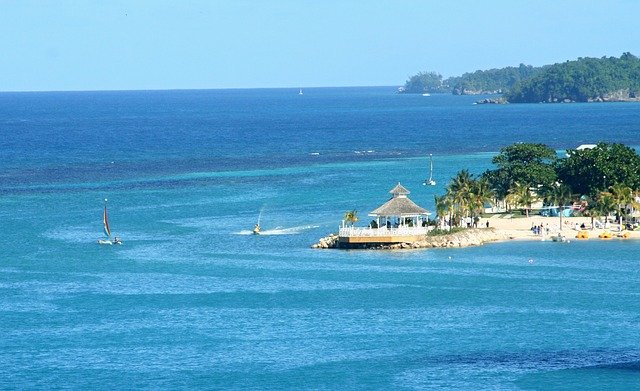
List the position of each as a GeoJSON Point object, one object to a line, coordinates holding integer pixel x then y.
{"type": "Point", "coordinates": [582, 80]}
{"type": "Point", "coordinates": [478, 82]}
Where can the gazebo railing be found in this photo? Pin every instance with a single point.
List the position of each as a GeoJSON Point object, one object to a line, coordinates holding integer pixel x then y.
{"type": "Point", "coordinates": [382, 231]}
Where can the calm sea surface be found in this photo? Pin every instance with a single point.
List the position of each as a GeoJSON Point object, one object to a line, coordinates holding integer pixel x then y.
{"type": "Point", "coordinates": [192, 300]}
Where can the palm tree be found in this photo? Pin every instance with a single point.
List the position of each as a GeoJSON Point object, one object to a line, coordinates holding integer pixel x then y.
{"type": "Point", "coordinates": [635, 205]}
{"type": "Point", "coordinates": [351, 216]}
{"type": "Point", "coordinates": [461, 180]}
{"type": "Point", "coordinates": [559, 194]}
{"type": "Point", "coordinates": [622, 196]}
{"type": "Point", "coordinates": [591, 209]}
{"type": "Point", "coordinates": [605, 204]}
{"type": "Point", "coordinates": [461, 194]}
{"type": "Point", "coordinates": [481, 193]}
{"type": "Point", "coordinates": [443, 207]}
{"type": "Point", "coordinates": [520, 195]}
{"type": "Point", "coordinates": [458, 192]}
{"type": "Point", "coordinates": [466, 196]}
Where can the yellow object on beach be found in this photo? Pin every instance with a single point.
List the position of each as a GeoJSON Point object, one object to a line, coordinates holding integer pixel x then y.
{"type": "Point", "coordinates": [582, 235]}
{"type": "Point", "coordinates": [624, 235]}
{"type": "Point", "coordinates": [605, 235]}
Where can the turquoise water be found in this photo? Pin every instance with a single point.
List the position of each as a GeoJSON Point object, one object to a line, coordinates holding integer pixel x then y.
{"type": "Point", "coordinates": [193, 300]}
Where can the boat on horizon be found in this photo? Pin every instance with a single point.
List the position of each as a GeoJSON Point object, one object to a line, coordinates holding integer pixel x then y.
{"type": "Point", "coordinates": [300, 93]}
{"type": "Point", "coordinates": [107, 229]}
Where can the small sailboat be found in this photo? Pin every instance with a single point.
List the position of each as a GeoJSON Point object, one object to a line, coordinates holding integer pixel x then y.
{"type": "Point", "coordinates": [107, 230]}
{"type": "Point", "coordinates": [300, 93]}
{"type": "Point", "coordinates": [430, 181]}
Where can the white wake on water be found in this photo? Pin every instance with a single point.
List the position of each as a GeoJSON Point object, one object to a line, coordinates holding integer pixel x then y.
{"type": "Point", "coordinates": [279, 230]}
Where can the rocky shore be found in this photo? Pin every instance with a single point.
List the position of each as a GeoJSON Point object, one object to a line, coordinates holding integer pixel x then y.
{"type": "Point", "coordinates": [330, 241]}
{"type": "Point", "coordinates": [492, 101]}
{"type": "Point", "coordinates": [466, 238]}
{"type": "Point", "coordinates": [624, 95]}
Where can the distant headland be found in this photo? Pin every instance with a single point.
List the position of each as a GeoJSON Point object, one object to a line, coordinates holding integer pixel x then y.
{"type": "Point", "coordinates": [606, 79]}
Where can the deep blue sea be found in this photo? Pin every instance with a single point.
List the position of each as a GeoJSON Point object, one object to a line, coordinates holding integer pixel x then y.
{"type": "Point", "coordinates": [192, 300]}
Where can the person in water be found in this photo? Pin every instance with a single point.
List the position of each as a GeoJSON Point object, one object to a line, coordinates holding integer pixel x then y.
{"type": "Point", "coordinates": [256, 228]}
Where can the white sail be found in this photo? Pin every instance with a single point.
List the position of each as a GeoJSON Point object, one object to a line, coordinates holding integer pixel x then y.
{"type": "Point", "coordinates": [430, 181]}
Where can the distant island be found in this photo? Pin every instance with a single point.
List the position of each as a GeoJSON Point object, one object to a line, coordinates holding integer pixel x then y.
{"type": "Point", "coordinates": [606, 79]}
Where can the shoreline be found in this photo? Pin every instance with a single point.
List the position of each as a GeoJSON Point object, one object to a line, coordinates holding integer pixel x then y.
{"type": "Point", "coordinates": [501, 229]}
{"type": "Point", "coordinates": [520, 227]}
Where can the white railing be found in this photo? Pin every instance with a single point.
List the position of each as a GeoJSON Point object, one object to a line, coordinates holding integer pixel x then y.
{"type": "Point", "coordinates": [382, 231]}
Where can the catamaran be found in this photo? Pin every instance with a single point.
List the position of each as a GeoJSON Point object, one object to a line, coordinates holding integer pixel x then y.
{"type": "Point", "coordinates": [107, 230]}
{"type": "Point", "coordinates": [430, 181]}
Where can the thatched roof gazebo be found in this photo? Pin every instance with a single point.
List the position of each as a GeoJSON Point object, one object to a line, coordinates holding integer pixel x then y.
{"type": "Point", "coordinates": [399, 220]}
{"type": "Point", "coordinates": [400, 208]}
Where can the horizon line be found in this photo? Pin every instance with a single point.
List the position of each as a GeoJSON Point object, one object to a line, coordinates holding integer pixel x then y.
{"type": "Point", "coordinates": [193, 89]}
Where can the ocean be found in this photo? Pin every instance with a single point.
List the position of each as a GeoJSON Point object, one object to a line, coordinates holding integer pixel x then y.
{"type": "Point", "coordinates": [193, 300]}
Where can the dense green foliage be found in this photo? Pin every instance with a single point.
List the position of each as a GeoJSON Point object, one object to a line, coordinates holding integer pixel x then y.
{"type": "Point", "coordinates": [351, 216]}
{"type": "Point", "coordinates": [466, 196]}
{"type": "Point", "coordinates": [492, 80]}
{"type": "Point", "coordinates": [595, 182]}
{"type": "Point", "coordinates": [582, 80]}
{"type": "Point", "coordinates": [526, 164]}
{"type": "Point", "coordinates": [591, 171]}
{"type": "Point", "coordinates": [425, 82]}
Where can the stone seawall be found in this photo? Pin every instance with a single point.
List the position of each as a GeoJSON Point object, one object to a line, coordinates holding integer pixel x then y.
{"type": "Point", "coordinates": [466, 238]}
{"type": "Point", "coordinates": [330, 241]}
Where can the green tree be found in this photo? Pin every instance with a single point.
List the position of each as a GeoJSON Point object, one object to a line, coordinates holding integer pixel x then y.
{"type": "Point", "coordinates": [444, 208]}
{"type": "Point", "coordinates": [480, 194]}
{"type": "Point", "coordinates": [351, 217]}
{"type": "Point", "coordinates": [605, 204]}
{"type": "Point", "coordinates": [591, 171]}
{"type": "Point", "coordinates": [466, 196]}
{"type": "Point", "coordinates": [492, 80]}
{"type": "Point", "coordinates": [622, 196]}
{"type": "Point", "coordinates": [423, 82]}
{"type": "Point", "coordinates": [458, 193]}
{"type": "Point", "coordinates": [591, 210]}
{"type": "Point", "coordinates": [581, 80]}
{"type": "Point", "coordinates": [559, 194]}
{"type": "Point", "coordinates": [524, 163]}
{"type": "Point", "coordinates": [520, 195]}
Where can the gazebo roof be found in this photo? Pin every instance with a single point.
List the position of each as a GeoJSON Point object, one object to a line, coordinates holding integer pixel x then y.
{"type": "Point", "coordinates": [399, 190]}
{"type": "Point", "coordinates": [399, 205]}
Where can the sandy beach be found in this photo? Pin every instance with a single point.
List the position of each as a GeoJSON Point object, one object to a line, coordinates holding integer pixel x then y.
{"type": "Point", "coordinates": [520, 227]}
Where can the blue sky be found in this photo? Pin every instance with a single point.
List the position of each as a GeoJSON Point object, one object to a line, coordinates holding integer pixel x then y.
{"type": "Point", "coordinates": [138, 44]}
